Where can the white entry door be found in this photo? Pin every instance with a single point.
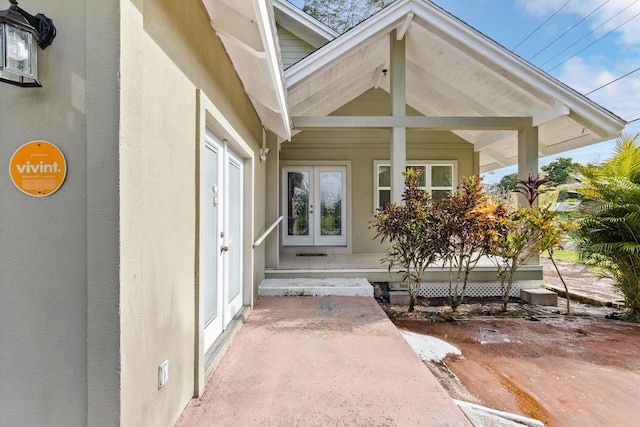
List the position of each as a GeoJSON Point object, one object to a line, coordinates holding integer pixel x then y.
{"type": "Point", "coordinates": [315, 206]}
{"type": "Point", "coordinates": [222, 238]}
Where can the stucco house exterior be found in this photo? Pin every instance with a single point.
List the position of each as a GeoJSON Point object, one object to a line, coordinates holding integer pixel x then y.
{"type": "Point", "coordinates": [188, 128]}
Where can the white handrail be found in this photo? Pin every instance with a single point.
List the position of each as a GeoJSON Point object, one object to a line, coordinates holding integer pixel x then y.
{"type": "Point", "coordinates": [266, 233]}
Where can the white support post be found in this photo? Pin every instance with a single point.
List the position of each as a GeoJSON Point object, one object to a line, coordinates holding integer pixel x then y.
{"type": "Point", "coordinates": [527, 152]}
{"type": "Point", "coordinates": [398, 109]}
{"type": "Point", "coordinates": [528, 165]}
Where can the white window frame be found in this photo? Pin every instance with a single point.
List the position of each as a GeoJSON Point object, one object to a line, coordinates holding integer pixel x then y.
{"type": "Point", "coordinates": [427, 164]}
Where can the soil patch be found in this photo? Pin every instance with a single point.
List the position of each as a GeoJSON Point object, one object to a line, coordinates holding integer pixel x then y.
{"type": "Point", "coordinates": [562, 370]}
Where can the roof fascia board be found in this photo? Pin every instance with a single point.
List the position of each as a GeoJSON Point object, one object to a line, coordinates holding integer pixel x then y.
{"type": "Point", "coordinates": [268, 31]}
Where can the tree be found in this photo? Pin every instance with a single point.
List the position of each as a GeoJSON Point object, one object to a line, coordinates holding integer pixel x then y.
{"type": "Point", "coordinates": [341, 15]}
{"type": "Point", "coordinates": [508, 182]}
{"type": "Point", "coordinates": [413, 228]}
{"type": "Point", "coordinates": [609, 232]}
{"type": "Point", "coordinates": [561, 172]}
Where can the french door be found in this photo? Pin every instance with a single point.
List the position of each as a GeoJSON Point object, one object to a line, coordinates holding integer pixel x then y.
{"type": "Point", "coordinates": [315, 206]}
{"type": "Point", "coordinates": [222, 237]}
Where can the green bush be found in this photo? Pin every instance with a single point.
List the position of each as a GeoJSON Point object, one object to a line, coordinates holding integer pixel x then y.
{"type": "Point", "coordinates": [609, 233]}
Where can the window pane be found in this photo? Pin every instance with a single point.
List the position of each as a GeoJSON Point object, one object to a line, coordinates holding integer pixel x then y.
{"type": "Point", "coordinates": [298, 206]}
{"type": "Point", "coordinates": [384, 176]}
{"type": "Point", "coordinates": [439, 194]}
{"type": "Point", "coordinates": [384, 197]}
{"type": "Point", "coordinates": [234, 236]}
{"type": "Point", "coordinates": [423, 175]}
{"type": "Point", "coordinates": [330, 203]}
{"type": "Point", "coordinates": [441, 176]}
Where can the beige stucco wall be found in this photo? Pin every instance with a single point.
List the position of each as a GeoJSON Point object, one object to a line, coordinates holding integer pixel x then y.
{"type": "Point", "coordinates": [362, 147]}
{"type": "Point", "coordinates": [168, 51]}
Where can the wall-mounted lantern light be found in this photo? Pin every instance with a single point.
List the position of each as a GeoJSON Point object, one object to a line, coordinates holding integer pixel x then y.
{"type": "Point", "coordinates": [20, 36]}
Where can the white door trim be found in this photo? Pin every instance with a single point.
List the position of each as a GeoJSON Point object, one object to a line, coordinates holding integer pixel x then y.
{"type": "Point", "coordinates": [313, 236]}
{"type": "Point", "coordinates": [209, 119]}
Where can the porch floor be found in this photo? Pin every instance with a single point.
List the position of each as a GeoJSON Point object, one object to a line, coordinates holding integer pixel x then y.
{"type": "Point", "coordinates": [329, 260]}
{"type": "Point", "coordinates": [321, 361]}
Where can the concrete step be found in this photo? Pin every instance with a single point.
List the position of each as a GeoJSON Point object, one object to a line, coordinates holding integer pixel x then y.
{"type": "Point", "coordinates": [356, 287]}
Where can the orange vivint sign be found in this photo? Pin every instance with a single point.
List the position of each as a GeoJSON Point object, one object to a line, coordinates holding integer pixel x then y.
{"type": "Point", "coordinates": [38, 168]}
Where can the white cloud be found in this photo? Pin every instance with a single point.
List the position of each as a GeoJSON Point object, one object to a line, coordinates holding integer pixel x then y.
{"type": "Point", "coordinates": [620, 97]}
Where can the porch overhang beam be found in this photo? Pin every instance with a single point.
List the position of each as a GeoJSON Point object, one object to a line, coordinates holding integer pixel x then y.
{"type": "Point", "coordinates": [421, 122]}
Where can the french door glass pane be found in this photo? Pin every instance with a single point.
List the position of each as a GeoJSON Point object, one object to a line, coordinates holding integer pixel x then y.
{"type": "Point", "coordinates": [235, 230]}
{"type": "Point", "coordinates": [441, 176]}
{"type": "Point", "coordinates": [298, 206]}
{"type": "Point", "coordinates": [210, 236]}
{"type": "Point", "coordinates": [330, 184]}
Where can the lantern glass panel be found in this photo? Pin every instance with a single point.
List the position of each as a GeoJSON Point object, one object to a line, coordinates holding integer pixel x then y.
{"type": "Point", "coordinates": [2, 45]}
{"type": "Point", "coordinates": [19, 51]}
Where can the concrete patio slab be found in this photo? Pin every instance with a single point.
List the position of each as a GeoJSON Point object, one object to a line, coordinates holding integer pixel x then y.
{"type": "Point", "coordinates": [321, 361]}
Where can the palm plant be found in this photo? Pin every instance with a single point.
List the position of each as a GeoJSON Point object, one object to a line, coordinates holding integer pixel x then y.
{"type": "Point", "coordinates": [609, 232]}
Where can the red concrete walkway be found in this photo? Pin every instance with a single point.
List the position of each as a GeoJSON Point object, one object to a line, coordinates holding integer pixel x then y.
{"type": "Point", "coordinates": [321, 361]}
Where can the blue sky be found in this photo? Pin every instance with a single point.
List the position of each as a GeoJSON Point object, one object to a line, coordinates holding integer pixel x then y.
{"type": "Point", "coordinates": [603, 45]}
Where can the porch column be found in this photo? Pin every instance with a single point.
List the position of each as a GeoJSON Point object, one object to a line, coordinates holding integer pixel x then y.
{"type": "Point", "coordinates": [528, 165]}
{"type": "Point", "coordinates": [527, 152]}
{"type": "Point", "coordinates": [398, 109]}
{"type": "Point", "coordinates": [272, 200]}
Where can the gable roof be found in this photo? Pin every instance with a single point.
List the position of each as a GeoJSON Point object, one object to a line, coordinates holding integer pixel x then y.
{"type": "Point", "coordinates": [451, 70]}
{"type": "Point", "coordinates": [248, 31]}
{"type": "Point", "coordinates": [302, 24]}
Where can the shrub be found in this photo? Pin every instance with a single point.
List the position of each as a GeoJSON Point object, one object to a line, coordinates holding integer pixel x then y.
{"type": "Point", "coordinates": [609, 229]}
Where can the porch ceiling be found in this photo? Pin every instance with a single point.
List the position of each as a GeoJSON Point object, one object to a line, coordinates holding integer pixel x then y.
{"type": "Point", "coordinates": [452, 70]}
{"type": "Point", "coordinates": [248, 31]}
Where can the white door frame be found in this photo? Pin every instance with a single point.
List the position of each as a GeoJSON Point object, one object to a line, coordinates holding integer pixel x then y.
{"type": "Point", "coordinates": [227, 239]}
{"type": "Point", "coordinates": [313, 208]}
{"type": "Point", "coordinates": [211, 121]}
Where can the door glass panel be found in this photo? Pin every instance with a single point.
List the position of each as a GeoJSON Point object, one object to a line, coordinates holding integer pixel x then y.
{"type": "Point", "coordinates": [298, 203]}
{"type": "Point", "coordinates": [441, 176]}
{"type": "Point", "coordinates": [330, 185]}
{"type": "Point", "coordinates": [211, 236]}
{"type": "Point", "coordinates": [235, 231]}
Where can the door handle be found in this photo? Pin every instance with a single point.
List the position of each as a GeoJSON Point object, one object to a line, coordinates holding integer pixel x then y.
{"type": "Point", "coordinates": [224, 248]}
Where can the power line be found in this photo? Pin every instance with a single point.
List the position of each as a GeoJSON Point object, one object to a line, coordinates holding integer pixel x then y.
{"type": "Point", "coordinates": [586, 35]}
{"type": "Point", "coordinates": [574, 26]}
{"type": "Point", "coordinates": [612, 81]}
{"type": "Point", "coordinates": [541, 25]}
{"type": "Point", "coordinates": [596, 41]}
